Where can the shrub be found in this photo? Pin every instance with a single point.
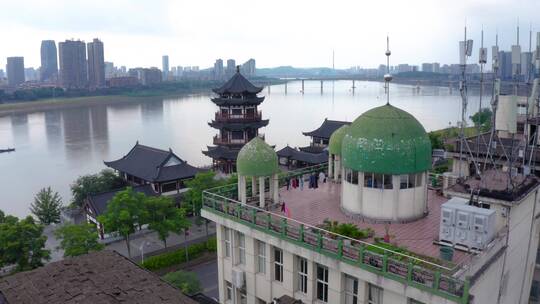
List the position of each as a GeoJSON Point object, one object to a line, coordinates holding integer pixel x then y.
{"type": "Point", "coordinates": [185, 281]}
{"type": "Point", "coordinates": [179, 256]}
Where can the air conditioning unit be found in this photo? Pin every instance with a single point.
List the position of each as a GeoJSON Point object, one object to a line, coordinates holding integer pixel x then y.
{"type": "Point", "coordinates": [238, 278]}
{"type": "Point", "coordinates": [462, 224]}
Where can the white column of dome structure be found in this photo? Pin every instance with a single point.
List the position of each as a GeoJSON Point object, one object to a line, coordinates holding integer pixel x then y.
{"type": "Point", "coordinates": [257, 160]}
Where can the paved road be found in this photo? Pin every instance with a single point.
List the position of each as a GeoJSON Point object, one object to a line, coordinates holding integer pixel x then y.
{"type": "Point", "coordinates": [208, 275]}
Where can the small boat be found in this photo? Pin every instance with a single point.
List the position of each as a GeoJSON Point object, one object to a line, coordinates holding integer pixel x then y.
{"type": "Point", "coordinates": [7, 150]}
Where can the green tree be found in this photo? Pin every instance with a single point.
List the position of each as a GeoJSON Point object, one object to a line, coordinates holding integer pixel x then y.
{"type": "Point", "coordinates": [47, 206]}
{"type": "Point", "coordinates": [163, 217]}
{"type": "Point", "coordinates": [22, 243]}
{"type": "Point", "coordinates": [78, 239]}
{"type": "Point", "coordinates": [186, 281]}
{"type": "Point", "coordinates": [482, 118]}
{"type": "Point", "coordinates": [436, 140]}
{"type": "Point", "coordinates": [85, 185]}
{"type": "Point", "coordinates": [125, 212]}
{"type": "Point", "coordinates": [202, 181]}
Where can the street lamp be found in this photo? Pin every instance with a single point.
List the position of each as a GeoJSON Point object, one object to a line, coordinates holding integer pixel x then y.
{"type": "Point", "coordinates": [141, 249]}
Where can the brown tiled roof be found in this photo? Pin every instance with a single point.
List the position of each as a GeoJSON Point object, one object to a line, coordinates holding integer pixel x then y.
{"type": "Point", "coordinates": [98, 277]}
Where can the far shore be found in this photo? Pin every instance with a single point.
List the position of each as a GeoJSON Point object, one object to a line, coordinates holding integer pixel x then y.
{"type": "Point", "coordinates": [74, 102]}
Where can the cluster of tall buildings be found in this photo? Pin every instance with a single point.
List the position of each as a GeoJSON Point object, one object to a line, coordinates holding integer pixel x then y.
{"type": "Point", "coordinates": [221, 72]}
{"type": "Point", "coordinates": [74, 64]}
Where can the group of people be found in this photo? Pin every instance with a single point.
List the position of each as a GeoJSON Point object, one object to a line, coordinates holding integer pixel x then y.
{"type": "Point", "coordinates": [298, 181]}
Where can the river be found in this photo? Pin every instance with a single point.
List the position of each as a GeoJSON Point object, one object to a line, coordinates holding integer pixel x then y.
{"type": "Point", "coordinates": [54, 147]}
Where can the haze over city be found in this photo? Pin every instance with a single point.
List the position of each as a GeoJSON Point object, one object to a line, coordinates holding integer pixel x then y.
{"type": "Point", "coordinates": [298, 33]}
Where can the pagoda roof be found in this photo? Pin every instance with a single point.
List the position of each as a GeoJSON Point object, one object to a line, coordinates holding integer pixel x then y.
{"type": "Point", "coordinates": [238, 84]}
{"type": "Point", "coordinates": [237, 126]}
{"type": "Point", "coordinates": [312, 149]}
{"type": "Point", "coordinates": [327, 128]}
{"type": "Point", "coordinates": [255, 100]}
{"type": "Point", "coordinates": [306, 157]}
{"type": "Point", "coordinates": [221, 152]}
{"type": "Point", "coordinates": [99, 201]}
{"type": "Point", "coordinates": [153, 165]}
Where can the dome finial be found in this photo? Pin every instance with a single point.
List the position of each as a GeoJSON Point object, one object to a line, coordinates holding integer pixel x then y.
{"type": "Point", "coordinates": [387, 76]}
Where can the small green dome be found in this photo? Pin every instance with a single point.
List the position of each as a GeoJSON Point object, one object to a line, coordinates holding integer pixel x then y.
{"type": "Point", "coordinates": [257, 158]}
{"type": "Point", "coordinates": [334, 146]}
{"type": "Point", "coordinates": [386, 140]}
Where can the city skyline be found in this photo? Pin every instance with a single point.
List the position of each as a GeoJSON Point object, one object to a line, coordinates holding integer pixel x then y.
{"type": "Point", "coordinates": [192, 40]}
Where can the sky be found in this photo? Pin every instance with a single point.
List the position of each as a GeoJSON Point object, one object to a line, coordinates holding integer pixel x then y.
{"type": "Point", "coordinates": [301, 33]}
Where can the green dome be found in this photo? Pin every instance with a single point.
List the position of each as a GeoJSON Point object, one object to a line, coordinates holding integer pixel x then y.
{"type": "Point", "coordinates": [336, 139]}
{"type": "Point", "coordinates": [257, 158]}
{"type": "Point", "coordinates": [386, 140]}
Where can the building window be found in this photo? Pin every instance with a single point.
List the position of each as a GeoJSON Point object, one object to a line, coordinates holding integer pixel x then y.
{"type": "Point", "coordinates": [229, 291]}
{"type": "Point", "coordinates": [413, 301]}
{"type": "Point", "coordinates": [351, 290]}
{"type": "Point", "coordinates": [322, 283]}
{"type": "Point", "coordinates": [368, 180]}
{"type": "Point", "coordinates": [278, 265]}
{"type": "Point", "coordinates": [243, 296]}
{"type": "Point", "coordinates": [379, 181]}
{"type": "Point", "coordinates": [418, 179]}
{"type": "Point", "coordinates": [261, 257]}
{"type": "Point", "coordinates": [374, 294]}
{"type": "Point", "coordinates": [406, 181]}
{"type": "Point", "coordinates": [227, 233]}
{"type": "Point", "coordinates": [351, 176]}
{"type": "Point", "coordinates": [241, 241]}
{"type": "Point", "coordinates": [302, 274]}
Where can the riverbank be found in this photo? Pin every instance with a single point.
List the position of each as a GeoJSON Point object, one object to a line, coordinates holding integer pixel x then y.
{"type": "Point", "coordinates": [74, 102]}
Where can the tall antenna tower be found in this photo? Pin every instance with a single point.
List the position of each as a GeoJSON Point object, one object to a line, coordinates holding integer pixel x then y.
{"type": "Point", "coordinates": [387, 76]}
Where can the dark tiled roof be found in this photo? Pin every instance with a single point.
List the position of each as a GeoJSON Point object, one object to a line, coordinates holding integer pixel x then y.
{"type": "Point", "coordinates": [327, 128]}
{"type": "Point", "coordinates": [99, 201]}
{"type": "Point", "coordinates": [98, 277]}
{"type": "Point", "coordinates": [306, 157]}
{"type": "Point", "coordinates": [238, 126]}
{"type": "Point", "coordinates": [220, 152]}
{"type": "Point", "coordinates": [312, 149]}
{"type": "Point", "coordinates": [238, 84]}
{"type": "Point", "coordinates": [238, 101]}
{"type": "Point", "coordinates": [149, 163]}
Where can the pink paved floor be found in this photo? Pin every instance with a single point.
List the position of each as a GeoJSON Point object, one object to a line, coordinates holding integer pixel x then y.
{"type": "Point", "coordinates": [312, 206]}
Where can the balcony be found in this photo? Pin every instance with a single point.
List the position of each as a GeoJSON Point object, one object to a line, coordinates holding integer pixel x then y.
{"type": "Point", "coordinates": [247, 117]}
{"type": "Point", "coordinates": [227, 141]}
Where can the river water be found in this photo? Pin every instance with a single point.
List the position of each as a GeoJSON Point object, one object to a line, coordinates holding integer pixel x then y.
{"type": "Point", "coordinates": [54, 147]}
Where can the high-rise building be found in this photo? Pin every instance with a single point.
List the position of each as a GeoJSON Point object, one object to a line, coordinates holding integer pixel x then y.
{"type": "Point", "coordinates": [73, 67]}
{"type": "Point", "coordinates": [49, 61]}
{"type": "Point", "coordinates": [96, 64]}
{"type": "Point", "coordinates": [248, 68]}
{"type": "Point", "coordinates": [15, 70]}
{"type": "Point", "coordinates": [505, 65]}
{"type": "Point", "coordinates": [31, 74]}
{"type": "Point", "coordinates": [218, 69]}
{"type": "Point", "coordinates": [1, 74]}
{"type": "Point", "coordinates": [110, 70]}
{"type": "Point", "coordinates": [526, 65]}
{"type": "Point", "coordinates": [231, 68]}
{"type": "Point", "coordinates": [165, 67]}
{"type": "Point", "coordinates": [436, 67]}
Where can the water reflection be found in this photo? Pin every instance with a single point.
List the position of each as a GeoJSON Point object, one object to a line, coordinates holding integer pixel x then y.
{"type": "Point", "coordinates": [19, 129]}
{"type": "Point", "coordinates": [100, 130]}
{"type": "Point", "coordinates": [53, 130]}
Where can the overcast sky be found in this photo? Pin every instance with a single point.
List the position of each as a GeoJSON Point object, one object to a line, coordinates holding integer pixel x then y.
{"type": "Point", "coordinates": [301, 33]}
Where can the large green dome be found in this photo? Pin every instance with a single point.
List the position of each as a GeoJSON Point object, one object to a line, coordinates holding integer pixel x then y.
{"type": "Point", "coordinates": [386, 140]}
{"type": "Point", "coordinates": [334, 146]}
{"type": "Point", "coordinates": [257, 158]}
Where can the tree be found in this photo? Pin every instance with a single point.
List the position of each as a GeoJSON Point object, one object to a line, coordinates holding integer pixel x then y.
{"type": "Point", "coordinates": [163, 217]}
{"type": "Point", "coordinates": [78, 239]}
{"type": "Point", "coordinates": [202, 181]}
{"type": "Point", "coordinates": [436, 140]}
{"type": "Point", "coordinates": [186, 281]}
{"type": "Point", "coordinates": [482, 118]}
{"type": "Point", "coordinates": [22, 243]}
{"type": "Point", "coordinates": [125, 212]}
{"type": "Point", "coordinates": [85, 185]}
{"type": "Point", "coordinates": [47, 206]}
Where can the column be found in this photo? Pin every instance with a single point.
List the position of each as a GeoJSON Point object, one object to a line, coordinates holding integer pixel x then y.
{"type": "Point", "coordinates": [330, 167]}
{"type": "Point", "coordinates": [253, 186]}
{"type": "Point", "coordinates": [242, 188]}
{"type": "Point", "coordinates": [360, 192]}
{"type": "Point", "coordinates": [396, 185]}
{"type": "Point", "coordinates": [261, 192]}
{"type": "Point", "coordinates": [337, 167]}
{"type": "Point", "coordinates": [275, 180]}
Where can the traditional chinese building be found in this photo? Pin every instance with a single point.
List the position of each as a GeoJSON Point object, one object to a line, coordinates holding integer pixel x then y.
{"type": "Point", "coordinates": [320, 137]}
{"type": "Point", "coordinates": [238, 121]}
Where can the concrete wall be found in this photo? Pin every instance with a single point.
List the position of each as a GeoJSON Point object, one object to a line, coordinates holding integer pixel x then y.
{"type": "Point", "coordinates": [385, 204]}
{"type": "Point", "coordinates": [262, 286]}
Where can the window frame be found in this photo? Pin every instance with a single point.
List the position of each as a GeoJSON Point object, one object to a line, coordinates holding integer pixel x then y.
{"type": "Point", "coordinates": [278, 264]}
{"type": "Point", "coordinates": [241, 242]}
{"type": "Point", "coordinates": [302, 274]}
{"type": "Point", "coordinates": [322, 282]}
{"type": "Point", "coordinates": [227, 240]}
{"type": "Point", "coordinates": [351, 296]}
{"type": "Point", "coordinates": [228, 291]}
{"type": "Point", "coordinates": [261, 257]}
{"type": "Point", "coordinates": [378, 291]}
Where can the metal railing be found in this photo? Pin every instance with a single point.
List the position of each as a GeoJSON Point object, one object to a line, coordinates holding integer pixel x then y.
{"type": "Point", "coordinates": [226, 117]}
{"type": "Point", "coordinates": [408, 269]}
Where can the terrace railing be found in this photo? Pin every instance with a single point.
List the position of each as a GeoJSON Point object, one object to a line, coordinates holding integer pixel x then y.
{"type": "Point", "coordinates": [410, 270]}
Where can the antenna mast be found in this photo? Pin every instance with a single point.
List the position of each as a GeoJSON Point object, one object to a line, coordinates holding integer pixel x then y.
{"type": "Point", "coordinates": [387, 76]}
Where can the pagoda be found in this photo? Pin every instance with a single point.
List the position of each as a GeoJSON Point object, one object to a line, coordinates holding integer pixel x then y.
{"type": "Point", "coordinates": [238, 120]}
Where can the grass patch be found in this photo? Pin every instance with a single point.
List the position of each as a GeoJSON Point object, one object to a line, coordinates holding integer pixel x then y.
{"type": "Point", "coordinates": [179, 256]}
